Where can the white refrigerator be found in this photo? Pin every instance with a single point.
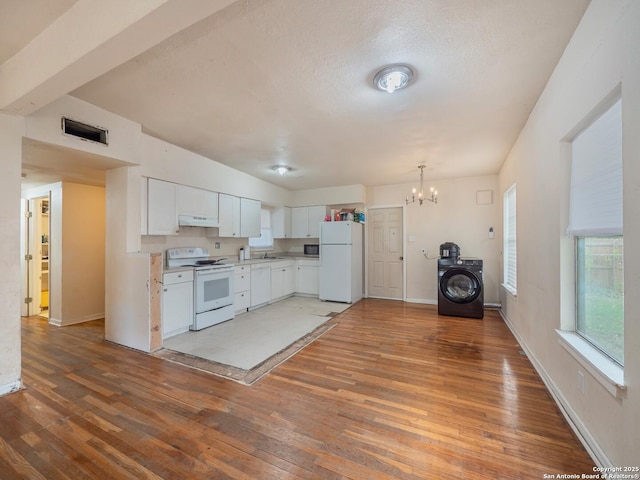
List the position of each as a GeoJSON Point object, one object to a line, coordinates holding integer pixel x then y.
{"type": "Point", "coordinates": [341, 261]}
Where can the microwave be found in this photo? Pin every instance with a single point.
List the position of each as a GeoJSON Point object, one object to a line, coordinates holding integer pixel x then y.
{"type": "Point", "coordinates": [311, 249]}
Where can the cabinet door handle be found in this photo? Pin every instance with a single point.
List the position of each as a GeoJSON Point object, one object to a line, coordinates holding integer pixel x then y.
{"type": "Point", "coordinates": [180, 276]}
{"type": "Point", "coordinates": [165, 289]}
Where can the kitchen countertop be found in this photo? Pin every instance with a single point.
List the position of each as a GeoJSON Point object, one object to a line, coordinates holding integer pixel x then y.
{"type": "Point", "coordinates": [255, 260]}
{"type": "Point", "coordinates": [279, 257]}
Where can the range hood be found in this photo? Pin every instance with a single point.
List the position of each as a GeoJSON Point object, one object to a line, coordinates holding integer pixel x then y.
{"type": "Point", "coordinates": [197, 221]}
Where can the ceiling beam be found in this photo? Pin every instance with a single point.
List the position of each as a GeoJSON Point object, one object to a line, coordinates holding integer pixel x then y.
{"type": "Point", "coordinates": [88, 40]}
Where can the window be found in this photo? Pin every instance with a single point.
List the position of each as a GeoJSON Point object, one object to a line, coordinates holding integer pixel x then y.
{"type": "Point", "coordinates": [510, 273]}
{"type": "Point", "coordinates": [595, 219]}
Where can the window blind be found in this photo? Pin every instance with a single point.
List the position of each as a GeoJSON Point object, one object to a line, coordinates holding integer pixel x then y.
{"type": "Point", "coordinates": [596, 177]}
{"type": "Point", "coordinates": [509, 250]}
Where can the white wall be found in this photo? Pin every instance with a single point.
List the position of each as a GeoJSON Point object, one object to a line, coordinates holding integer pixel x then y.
{"type": "Point", "coordinates": [604, 52]}
{"type": "Point", "coordinates": [11, 131]}
{"type": "Point", "coordinates": [127, 275]}
{"type": "Point", "coordinates": [83, 250]}
{"type": "Point", "coordinates": [162, 160]}
{"type": "Point", "coordinates": [76, 251]}
{"type": "Point", "coordinates": [456, 218]}
{"type": "Point", "coordinates": [330, 196]}
{"type": "Point", "coordinates": [124, 135]}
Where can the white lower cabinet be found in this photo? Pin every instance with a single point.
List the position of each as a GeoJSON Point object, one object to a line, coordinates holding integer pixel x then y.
{"type": "Point", "coordinates": [260, 284]}
{"type": "Point", "coordinates": [307, 277]}
{"type": "Point", "coordinates": [242, 289]}
{"type": "Point", "coordinates": [283, 279]}
{"type": "Point", "coordinates": [177, 302]}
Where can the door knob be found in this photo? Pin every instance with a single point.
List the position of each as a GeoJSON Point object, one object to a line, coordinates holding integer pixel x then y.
{"type": "Point", "coordinates": [401, 258]}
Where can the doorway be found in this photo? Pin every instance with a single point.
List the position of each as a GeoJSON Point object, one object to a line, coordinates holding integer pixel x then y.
{"type": "Point", "coordinates": [36, 249]}
{"type": "Point", "coordinates": [385, 253]}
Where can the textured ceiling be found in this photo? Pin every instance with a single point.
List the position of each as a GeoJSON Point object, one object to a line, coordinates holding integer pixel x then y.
{"type": "Point", "coordinates": [22, 20]}
{"type": "Point", "coordinates": [266, 82]}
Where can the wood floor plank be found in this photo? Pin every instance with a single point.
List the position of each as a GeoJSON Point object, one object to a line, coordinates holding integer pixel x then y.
{"type": "Point", "coordinates": [394, 391]}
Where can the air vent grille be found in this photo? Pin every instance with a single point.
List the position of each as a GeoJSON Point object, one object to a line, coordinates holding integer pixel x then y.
{"type": "Point", "coordinates": [85, 131]}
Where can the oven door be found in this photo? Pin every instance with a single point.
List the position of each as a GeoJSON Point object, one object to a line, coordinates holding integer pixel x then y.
{"type": "Point", "coordinates": [214, 289]}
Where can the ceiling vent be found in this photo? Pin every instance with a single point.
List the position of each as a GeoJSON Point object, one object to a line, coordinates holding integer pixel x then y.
{"type": "Point", "coordinates": [84, 131]}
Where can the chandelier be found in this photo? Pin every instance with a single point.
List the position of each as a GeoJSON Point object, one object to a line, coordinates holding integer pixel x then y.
{"type": "Point", "coordinates": [421, 198]}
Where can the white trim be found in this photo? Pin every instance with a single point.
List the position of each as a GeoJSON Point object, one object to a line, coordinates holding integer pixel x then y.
{"type": "Point", "coordinates": [510, 290]}
{"type": "Point", "coordinates": [608, 373]}
{"type": "Point", "coordinates": [88, 318]}
{"type": "Point", "coordinates": [588, 441]}
{"type": "Point", "coordinates": [492, 306]}
{"type": "Point", "coordinates": [10, 387]}
{"type": "Point", "coordinates": [421, 300]}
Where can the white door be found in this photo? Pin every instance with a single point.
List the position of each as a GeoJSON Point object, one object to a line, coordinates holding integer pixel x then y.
{"type": "Point", "coordinates": [385, 253]}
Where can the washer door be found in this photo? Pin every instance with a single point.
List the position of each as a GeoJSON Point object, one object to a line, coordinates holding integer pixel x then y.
{"type": "Point", "coordinates": [460, 286]}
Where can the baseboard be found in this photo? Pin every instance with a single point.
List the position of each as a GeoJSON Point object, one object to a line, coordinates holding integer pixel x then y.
{"type": "Point", "coordinates": [55, 322]}
{"type": "Point", "coordinates": [582, 432]}
{"type": "Point", "coordinates": [421, 300]}
{"type": "Point", "coordinates": [10, 387]}
{"type": "Point", "coordinates": [491, 306]}
{"type": "Point", "coordinates": [58, 323]}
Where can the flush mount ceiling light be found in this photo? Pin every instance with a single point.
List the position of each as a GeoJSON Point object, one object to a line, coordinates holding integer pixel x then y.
{"type": "Point", "coordinates": [393, 78]}
{"type": "Point", "coordinates": [281, 169]}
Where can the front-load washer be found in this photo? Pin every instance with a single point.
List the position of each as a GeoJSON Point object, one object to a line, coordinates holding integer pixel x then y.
{"type": "Point", "coordinates": [460, 287]}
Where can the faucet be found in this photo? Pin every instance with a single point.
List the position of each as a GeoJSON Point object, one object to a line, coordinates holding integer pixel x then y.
{"type": "Point", "coordinates": [266, 255]}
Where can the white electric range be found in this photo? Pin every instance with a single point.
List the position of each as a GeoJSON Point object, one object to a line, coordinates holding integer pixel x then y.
{"type": "Point", "coordinates": [212, 285]}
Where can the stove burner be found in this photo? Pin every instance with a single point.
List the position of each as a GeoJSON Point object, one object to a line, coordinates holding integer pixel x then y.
{"type": "Point", "coordinates": [210, 262]}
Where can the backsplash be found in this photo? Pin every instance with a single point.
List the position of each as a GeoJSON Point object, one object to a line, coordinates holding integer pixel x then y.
{"type": "Point", "coordinates": [193, 237]}
{"type": "Point", "coordinates": [229, 247]}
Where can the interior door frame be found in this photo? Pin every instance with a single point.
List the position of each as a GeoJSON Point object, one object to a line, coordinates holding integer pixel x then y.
{"type": "Point", "coordinates": [26, 248]}
{"type": "Point", "coordinates": [29, 244]}
{"type": "Point", "coordinates": [404, 248]}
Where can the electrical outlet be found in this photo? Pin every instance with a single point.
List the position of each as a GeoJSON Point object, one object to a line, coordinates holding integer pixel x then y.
{"type": "Point", "coordinates": [423, 251]}
{"type": "Point", "coordinates": [581, 382]}
{"type": "Point", "coordinates": [217, 245]}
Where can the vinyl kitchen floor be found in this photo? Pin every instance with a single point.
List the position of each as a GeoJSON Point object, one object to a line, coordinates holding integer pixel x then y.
{"type": "Point", "coordinates": [251, 338]}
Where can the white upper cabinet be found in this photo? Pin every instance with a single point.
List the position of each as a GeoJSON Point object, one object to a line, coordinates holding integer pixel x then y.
{"type": "Point", "coordinates": [197, 202]}
{"type": "Point", "coordinates": [144, 205]}
{"type": "Point", "coordinates": [249, 218]}
{"type": "Point", "coordinates": [281, 222]}
{"type": "Point", "coordinates": [305, 221]}
{"type": "Point", "coordinates": [229, 215]}
{"type": "Point", "coordinates": [162, 216]}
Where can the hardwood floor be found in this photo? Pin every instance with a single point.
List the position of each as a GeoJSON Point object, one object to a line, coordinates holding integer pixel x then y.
{"type": "Point", "coordinates": [393, 392]}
